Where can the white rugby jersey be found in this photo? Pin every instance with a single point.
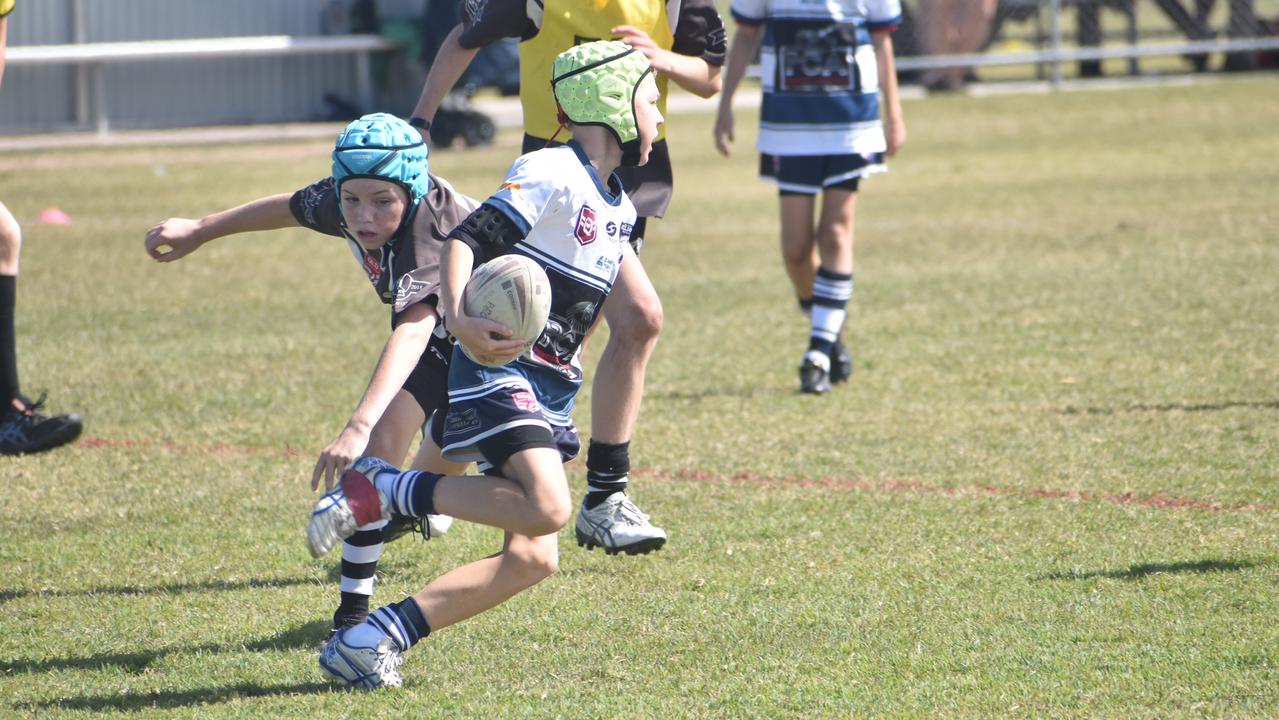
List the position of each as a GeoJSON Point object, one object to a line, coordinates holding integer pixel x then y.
{"type": "Point", "coordinates": [575, 227]}
{"type": "Point", "coordinates": [819, 74]}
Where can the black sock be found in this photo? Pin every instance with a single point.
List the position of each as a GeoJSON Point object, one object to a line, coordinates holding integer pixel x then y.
{"type": "Point", "coordinates": [607, 466]}
{"type": "Point", "coordinates": [8, 344]}
{"type": "Point", "coordinates": [352, 610]}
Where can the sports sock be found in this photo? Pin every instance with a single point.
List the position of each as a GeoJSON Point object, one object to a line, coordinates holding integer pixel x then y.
{"type": "Point", "coordinates": [8, 343]}
{"type": "Point", "coordinates": [831, 291]}
{"type": "Point", "coordinates": [402, 621]}
{"type": "Point", "coordinates": [806, 306]}
{"type": "Point", "coordinates": [607, 467]}
{"type": "Point", "coordinates": [412, 492]}
{"type": "Point", "coordinates": [360, 555]}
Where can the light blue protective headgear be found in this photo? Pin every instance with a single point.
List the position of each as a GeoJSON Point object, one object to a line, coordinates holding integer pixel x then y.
{"type": "Point", "coordinates": [383, 147]}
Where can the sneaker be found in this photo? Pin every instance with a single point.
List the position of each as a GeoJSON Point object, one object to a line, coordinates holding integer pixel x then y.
{"type": "Point", "coordinates": [841, 363]}
{"type": "Point", "coordinates": [30, 431]}
{"type": "Point", "coordinates": [814, 373]}
{"type": "Point", "coordinates": [354, 502]}
{"type": "Point", "coordinates": [618, 526]}
{"type": "Point", "coordinates": [360, 665]}
{"type": "Point", "coordinates": [431, 526]}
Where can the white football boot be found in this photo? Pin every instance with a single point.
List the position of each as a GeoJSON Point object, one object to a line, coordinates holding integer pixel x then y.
{"type": "Point", "coordinates": [354, 502]}
{"type": "Point", "coordinates": [363, 663]}
{"type": "Point", "coordinates": [617, 525]}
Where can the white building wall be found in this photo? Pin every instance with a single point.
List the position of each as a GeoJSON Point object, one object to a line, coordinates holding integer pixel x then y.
{"type": "Point", "coordinates": [182, 93]}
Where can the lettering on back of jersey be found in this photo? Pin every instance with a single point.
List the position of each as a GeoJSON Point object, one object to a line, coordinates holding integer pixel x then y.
{"type": "Point", "coordinates": [585, 230]}
{"type": "Point", "coordinates": [819, 59]}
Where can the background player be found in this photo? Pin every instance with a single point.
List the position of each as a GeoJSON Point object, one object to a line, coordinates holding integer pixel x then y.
{"type": "Point", "coordinates": [823, 68]}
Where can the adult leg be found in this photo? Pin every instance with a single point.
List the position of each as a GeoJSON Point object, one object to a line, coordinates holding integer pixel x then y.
{"type": "Point", "coordinates": [608, 518]}
{"type": "Point", "coordinates": [10, 250]}
{"type": "Point", "coordinates": [22, 428]}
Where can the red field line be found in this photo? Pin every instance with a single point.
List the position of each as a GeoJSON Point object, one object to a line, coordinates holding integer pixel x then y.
{"type": "Point", "coordinates": [1157, 500]}
{"type": "Point", "coordinates": [214, 449]}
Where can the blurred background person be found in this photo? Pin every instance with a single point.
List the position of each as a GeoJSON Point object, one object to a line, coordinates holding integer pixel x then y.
{"type": "Point", "coordinates": [953, 27]}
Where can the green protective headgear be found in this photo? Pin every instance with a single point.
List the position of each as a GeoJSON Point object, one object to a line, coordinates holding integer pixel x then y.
{"type": "Point", "coordinates": [594, 84]}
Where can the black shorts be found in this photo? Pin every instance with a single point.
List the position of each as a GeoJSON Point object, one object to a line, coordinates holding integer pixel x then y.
{"type": "Point", "coordinates": [810, 174]}
{"type": "Point", "coordinates": [429, 381]}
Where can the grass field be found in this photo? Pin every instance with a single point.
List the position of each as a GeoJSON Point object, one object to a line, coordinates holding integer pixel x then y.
{"type": "Point", "coordinates": [1050, 490]}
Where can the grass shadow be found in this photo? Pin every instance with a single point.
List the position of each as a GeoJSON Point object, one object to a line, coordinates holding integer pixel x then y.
{"type": "Point", "coordinates": [306, 635]}
{"type": "Point", "coordinates": [1172, 407]}
{"type": "Point", "coordinates": [171, 588]}
{"type": "Point", "coordinates": [174, 699]}
{"type": "Point", "coordinates": [1141, 570]}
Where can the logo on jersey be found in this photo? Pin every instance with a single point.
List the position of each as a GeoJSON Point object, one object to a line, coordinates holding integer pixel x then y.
{"type": "Point", "coordinates": [586, 228]}
{"type": "Point", "coordinates": [526, 401]}
{"type": "Point", "coordinates": [406, 289]}
{"type": "Point", "coordinates": [460, 421]}
{"type": "Point", "coordinates": [373, 267]}
{"type": "Point", "coordinates": [313, 197]}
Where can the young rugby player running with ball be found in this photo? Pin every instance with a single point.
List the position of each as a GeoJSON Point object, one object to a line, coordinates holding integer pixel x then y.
{"type": "Point", "coordinates": [394, 216]}
{"type": "Point", "coordinates": [564, 207]}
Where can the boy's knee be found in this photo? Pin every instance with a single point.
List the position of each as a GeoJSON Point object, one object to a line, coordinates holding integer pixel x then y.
{"type": "Point", "coordinates": [551, 515]}
{"type": "Point", "coordinates": [535, 561]}
{"type": "Point", "coordinates": [639, 322]}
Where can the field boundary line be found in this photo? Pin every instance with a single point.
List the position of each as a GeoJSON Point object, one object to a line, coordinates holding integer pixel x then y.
{"type": "Point", "coordinates": [1157, 500]}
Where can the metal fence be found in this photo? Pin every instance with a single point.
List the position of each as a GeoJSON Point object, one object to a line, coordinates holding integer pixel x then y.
{"type": "Point", "coordinates": [943, 44]}
{"type": "Point", "coordinates": [946, 44]}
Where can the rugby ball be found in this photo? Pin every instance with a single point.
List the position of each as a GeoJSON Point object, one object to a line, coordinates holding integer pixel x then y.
{"type": "Point", "coordinates": [512, 290]}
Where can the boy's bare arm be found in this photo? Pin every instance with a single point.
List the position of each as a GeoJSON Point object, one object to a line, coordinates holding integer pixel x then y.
{"type": "Point", "coordinates": [746, 41]}
{"type": "Point", "coordinates": [894, 123]}
{"type": "Point", "coordinates": [693, 74]}
{"type": "Point", "coordinates": [176, 238]}
{"type": "Point", "coordinates": [399, 356]}
{"type": "Point", "coordinates": [449, 64]}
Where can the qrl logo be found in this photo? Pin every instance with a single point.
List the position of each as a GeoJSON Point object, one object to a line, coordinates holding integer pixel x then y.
{"type": "Point", "coordinates": [585, 231]}
{"type": "Point", "coordinates": [373, 267]}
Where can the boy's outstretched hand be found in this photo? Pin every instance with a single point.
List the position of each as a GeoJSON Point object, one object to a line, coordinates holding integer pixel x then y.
{"type": "Point", "coordinates": [180, 236]}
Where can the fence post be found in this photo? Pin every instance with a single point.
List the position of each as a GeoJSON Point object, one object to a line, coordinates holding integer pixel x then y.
{"type": "Point", "coordinates": [1054, 24]}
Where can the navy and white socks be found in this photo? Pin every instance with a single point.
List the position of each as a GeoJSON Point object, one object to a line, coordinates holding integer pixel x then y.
{"type": "Point", "coordinates": [831, 293]}
{"type": "Point", "coordinates": [607, 468]}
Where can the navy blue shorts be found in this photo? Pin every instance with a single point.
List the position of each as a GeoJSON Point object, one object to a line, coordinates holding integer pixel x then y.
{"type": "Point", "coordinates": [810, 174]}
{"type": "Point", "coordinates": [494, 413]}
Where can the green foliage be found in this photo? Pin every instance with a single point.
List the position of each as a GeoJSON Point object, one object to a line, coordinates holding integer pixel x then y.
{"type": "Point", "coordinates": [1049, 489]}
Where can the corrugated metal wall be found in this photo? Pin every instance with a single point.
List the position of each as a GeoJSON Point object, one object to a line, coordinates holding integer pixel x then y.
{"type": "Point", "coordinates": [185, 93]}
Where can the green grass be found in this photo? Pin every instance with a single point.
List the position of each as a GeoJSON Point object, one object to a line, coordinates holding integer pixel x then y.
{"type": "Point", "coordinates": [1049, 490]}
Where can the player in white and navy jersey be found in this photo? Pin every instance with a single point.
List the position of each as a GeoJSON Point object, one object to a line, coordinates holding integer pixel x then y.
{"type": "Point", "coordinates": [827, 73]}
{"type": "Point", "coordinates": [564, 208]}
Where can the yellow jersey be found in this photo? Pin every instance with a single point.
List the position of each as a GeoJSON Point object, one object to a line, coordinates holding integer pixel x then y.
{"type": "Point", "coordinates": [565, 23]}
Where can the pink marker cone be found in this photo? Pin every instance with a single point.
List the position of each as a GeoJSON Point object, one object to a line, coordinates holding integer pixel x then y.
{"type": "Point", "coordinates": [53, 216]}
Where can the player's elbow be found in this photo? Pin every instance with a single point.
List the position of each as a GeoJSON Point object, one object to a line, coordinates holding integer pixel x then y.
{"type": "Point", "coordinates": [711, 87]}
